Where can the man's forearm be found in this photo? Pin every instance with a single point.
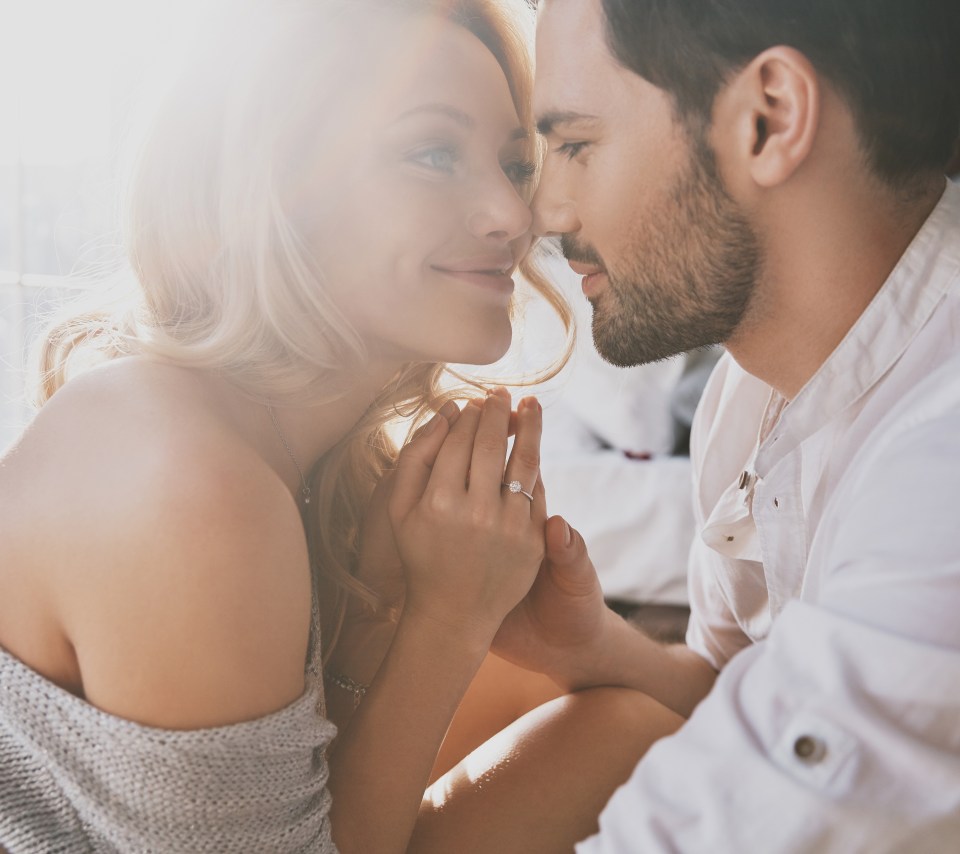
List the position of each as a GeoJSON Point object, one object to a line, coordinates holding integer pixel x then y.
{"type": "Point", "coordinates": [623, 655]}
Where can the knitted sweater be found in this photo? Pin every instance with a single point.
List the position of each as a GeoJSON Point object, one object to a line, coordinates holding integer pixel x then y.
{"type": "Point", "coordinates": [75, 779]}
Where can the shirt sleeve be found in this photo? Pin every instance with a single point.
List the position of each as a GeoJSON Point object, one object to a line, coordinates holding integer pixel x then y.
{"type": "Point", "coordinates": [838, 733]}
{"type": "Point", "coordinates": [712, 632]}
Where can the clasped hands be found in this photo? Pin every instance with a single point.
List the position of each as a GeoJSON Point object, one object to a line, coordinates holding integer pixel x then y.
{"type": "Point", "coordinates": [474, 557]}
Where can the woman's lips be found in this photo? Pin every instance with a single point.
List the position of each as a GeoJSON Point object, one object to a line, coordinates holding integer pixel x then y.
{"type": "Point", "coordinates": [492, 280]}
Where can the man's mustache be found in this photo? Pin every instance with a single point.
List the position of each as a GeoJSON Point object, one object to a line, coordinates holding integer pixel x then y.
{"type": "Point", "coordinates": [580, 252]}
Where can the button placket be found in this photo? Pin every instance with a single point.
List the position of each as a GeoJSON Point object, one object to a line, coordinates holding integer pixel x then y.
{"type": "Point", "coordinates": [780, 527]}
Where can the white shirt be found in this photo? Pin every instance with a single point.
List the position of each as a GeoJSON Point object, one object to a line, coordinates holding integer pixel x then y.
{"type": "Point", "coordinates": [827, 589]}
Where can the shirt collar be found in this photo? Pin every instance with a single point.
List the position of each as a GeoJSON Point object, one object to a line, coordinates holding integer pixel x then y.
{"type": "Point", "coordinates": [902, 306]}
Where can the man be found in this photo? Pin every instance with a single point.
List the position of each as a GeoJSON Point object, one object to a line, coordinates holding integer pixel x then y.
{"type": "Point", "coordinates": [769, 175]}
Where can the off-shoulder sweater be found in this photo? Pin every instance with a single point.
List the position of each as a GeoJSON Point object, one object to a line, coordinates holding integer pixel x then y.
{"type": "Point", "coordinates": [76, 779]}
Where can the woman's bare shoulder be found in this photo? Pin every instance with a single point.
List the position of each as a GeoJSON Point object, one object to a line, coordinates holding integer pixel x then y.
{"type": "Point", "coordinates": [173, 558]}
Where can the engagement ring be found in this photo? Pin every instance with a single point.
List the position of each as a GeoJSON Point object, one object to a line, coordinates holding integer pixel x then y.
{"type": "Point", "coordinates": [517, 489]}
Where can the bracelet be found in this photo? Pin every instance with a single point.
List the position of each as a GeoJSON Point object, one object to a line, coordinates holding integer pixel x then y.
{"type": "Point", "coordinates": [347, 684]}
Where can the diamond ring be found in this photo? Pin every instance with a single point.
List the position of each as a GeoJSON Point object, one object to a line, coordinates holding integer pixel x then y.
{"type": "Point", "coordinates": [517, 489]}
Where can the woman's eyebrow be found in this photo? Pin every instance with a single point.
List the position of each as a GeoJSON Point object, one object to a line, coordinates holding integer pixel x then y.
{"type": "Point", "coordinates": [463, 119]}
{"type": "Point", "coordinates": [448, 110]}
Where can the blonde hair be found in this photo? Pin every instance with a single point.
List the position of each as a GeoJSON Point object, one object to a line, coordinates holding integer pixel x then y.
{"type": "Point", "coordinates": [227, 281]}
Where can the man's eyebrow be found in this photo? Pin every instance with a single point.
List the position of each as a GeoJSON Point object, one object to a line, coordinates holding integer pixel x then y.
{"type": "Point", "coordinates": [548, 122]}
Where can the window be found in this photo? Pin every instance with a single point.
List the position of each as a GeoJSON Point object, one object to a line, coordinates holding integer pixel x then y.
{"type": "Point", "coordinates": [69, 73]}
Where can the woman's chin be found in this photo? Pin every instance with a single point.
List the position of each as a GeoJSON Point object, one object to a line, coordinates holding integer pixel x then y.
{"type": "Point", "coordinates": [484, 352]}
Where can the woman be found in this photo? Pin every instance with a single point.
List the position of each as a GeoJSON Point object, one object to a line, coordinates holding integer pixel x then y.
{"type": "Point", "coordinates": [325, 210]}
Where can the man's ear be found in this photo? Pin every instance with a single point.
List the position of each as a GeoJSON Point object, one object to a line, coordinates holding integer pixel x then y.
{"type": "Point", "coordinates": [770, 113]}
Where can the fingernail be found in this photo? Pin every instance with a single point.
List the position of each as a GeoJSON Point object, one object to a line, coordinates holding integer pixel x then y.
{"type": "Point", "coordinates": [430, 426]}
{"type": "Point", "coordinates": [530, 403]}
{"type": "Point", "coordinates": [567, 534]}
{"type": "Point", "coordinates": [475, 401]}
{"type": "Point", "coordinates": [450, 411]}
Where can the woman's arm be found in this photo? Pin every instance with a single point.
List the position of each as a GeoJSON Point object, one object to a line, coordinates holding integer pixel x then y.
{"type": "Point", "coordinates": [183, 583]}
{"type": "Point", "coordinates": [367, 633]}
{"type": "Point", "coordinates": [471, 551]}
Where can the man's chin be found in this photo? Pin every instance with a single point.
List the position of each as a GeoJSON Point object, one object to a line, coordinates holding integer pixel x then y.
{"type": "Point", "coordinates": [625, 348]}
{"type": "Point", "coordinates": [615, 350]}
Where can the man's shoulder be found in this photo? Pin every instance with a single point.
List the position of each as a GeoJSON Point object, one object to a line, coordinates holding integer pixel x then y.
{"type": "Point", "coordinates": [930, 407]}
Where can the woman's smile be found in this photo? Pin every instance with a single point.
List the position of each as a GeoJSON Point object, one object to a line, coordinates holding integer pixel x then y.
{"type": "Point", "coordinates": [491, 273]}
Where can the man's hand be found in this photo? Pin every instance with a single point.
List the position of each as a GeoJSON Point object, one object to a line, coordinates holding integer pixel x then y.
{"type": "Point", "coordinates": [562, 619]}
{"type": "Point", "coordinates": [564, 629]}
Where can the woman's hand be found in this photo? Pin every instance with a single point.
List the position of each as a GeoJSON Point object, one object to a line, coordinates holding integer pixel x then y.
{"type": "Point", "coordinates": [471, 548]}
{"type": "Point", "coordinates": [379, 566]}
{"type": "Point", "coordinates": [368, 631]}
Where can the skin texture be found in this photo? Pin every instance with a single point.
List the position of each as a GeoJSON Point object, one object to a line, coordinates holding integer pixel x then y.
{"type": "Point", "coordinates": [499, 694]}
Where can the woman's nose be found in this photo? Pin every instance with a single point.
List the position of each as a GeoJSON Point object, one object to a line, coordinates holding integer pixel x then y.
{"type": "Point", "coordinates": [500, 213]}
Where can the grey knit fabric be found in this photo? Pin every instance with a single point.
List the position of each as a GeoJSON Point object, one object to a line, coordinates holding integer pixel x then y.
{"type": "Point", "coordinates": [75, 779]}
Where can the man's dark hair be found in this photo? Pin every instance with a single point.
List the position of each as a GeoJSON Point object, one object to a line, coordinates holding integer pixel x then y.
{"type": "Point", "coordinates": [895, 62]}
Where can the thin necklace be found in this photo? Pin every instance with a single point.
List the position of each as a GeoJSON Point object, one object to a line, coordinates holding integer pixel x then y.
{"type": "Point", "coordinates": [304, 489]}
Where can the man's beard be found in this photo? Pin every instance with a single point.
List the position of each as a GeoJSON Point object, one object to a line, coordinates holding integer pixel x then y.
{"type": "Point", "coordinates": [688, 276]}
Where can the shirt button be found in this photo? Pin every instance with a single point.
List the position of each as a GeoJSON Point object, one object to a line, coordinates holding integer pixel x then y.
{"type": "Point", "coordinates": [809, 749]}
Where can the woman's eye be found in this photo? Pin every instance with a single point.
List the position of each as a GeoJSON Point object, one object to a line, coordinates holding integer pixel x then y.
{"type": "Point", "coordinates": [571, 149]}
{"type": "Point", "coordinates": [438, 158]}
{"type": "Point", "coordinates": [520, 172]}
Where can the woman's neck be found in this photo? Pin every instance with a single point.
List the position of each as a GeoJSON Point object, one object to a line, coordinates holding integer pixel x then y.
{"type": "Point", "coordinates": [293, 438]}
